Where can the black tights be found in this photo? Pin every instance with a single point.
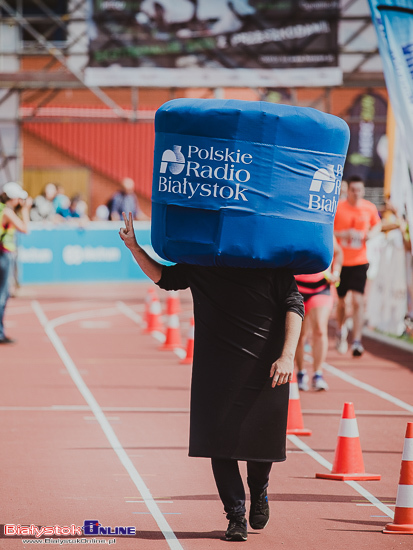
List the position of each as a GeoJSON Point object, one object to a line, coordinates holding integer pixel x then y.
{"type": "Point", "coordinates": [230, 486]}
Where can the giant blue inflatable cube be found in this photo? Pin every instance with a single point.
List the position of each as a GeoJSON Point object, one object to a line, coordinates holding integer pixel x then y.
{"type": "Point", "coordinates": [246, 184]}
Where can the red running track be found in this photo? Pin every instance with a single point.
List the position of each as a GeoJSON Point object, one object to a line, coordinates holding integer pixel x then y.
{"type": "Point", "coordinates": [94, 425]}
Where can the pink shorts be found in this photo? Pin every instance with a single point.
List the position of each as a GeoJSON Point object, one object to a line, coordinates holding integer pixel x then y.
{"type": "Point", "coordinates": [318, 300]}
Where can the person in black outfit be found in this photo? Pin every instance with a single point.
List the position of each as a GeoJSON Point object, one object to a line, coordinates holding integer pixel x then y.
{"type": "Point", "coordinates": [247, 325]}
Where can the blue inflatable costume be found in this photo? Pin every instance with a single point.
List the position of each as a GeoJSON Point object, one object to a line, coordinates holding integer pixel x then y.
{"type": "Point", "coordinates": [246, 184]}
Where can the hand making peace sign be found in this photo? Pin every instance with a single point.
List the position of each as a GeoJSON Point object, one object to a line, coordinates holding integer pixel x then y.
{"type": "Point", "coordinates": [127, 233]}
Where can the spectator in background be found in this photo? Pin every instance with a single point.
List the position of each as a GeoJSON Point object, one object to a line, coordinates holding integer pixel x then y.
{"type": "Point", "coordinates": [390, 219]}
{"type": "Point", "coordinates": [124, 200]}
{"type": "Point", "coordinates": [12, 197]}
{"type": "Point", "coordinates": [101, 213]}
{"type": "Point", "coordinates": [78, 207]}
{"type": "Point", "coordinates": [72, 209]}
{"type": "Point", "coordinates": [61, 202]}
{"type": "Point", "coordinates": [356, 221]}
{"type": "Point", "coordinates": [43, 208]}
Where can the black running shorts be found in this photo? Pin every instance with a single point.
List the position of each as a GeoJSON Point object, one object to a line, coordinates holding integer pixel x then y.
{"type": "Point", "coordinates": [353, 277]}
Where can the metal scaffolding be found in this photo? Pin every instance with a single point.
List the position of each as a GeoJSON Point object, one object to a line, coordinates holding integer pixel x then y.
{"type": "Point", "coordinates": [58, 31]}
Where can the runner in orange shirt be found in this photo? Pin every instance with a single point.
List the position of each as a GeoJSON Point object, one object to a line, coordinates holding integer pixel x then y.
{"type": "Point", "coordinates": [356, 221]}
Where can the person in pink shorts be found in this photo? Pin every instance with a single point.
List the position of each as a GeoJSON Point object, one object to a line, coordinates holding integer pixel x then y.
{"type": "Point", "coordinates": [318, 303]}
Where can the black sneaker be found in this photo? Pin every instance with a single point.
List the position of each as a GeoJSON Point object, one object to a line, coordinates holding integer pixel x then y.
{"type": "Point", "coordinates": [7, 340]}
{"type": "Point", "coordinates": [237, 529]}
{"type": "Point", "coordinates": [357, 349]}
{"type": "Point", "coordinates": [259, 511]}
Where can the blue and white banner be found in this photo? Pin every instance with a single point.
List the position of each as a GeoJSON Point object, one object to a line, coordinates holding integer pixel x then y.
{"type": "Point", "coordinates": [393, 20]}
{"type": "Point", "coordinates": [66, 253]}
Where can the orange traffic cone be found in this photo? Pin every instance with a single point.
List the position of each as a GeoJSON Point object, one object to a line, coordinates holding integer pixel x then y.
{"type": "Point", "coordinates": [153, 320]}
{"type": "Point", "coordinates": [295, 425]}
{"type": "Point", "coordinates": [173, 305]}
{"type": "Point", "coordinates": [403, 514]}
{"type": "Point", "coordinates": [187, 360]}
{"type": "Point", "coordinates": [173, 336]}
{"type": "Point", "coordinates": [348, 460]}
{"type": "Point", "coordinates": [148, 300]}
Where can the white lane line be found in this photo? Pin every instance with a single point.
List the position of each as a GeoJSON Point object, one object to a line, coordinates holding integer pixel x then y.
{"type": "Point", "coordinates": [78, 315]}
{"type": "Point", "coordinates": [18, 309]}
{"type": "Point", "coordinates": [53, 408]}
{"type": "Point", "coordinates": [157, 501]}
{"type": "Point", "coordinates": [369, 505]}
{"type": "Point", "coordinates": [180, 352]}
{"type": "Point", "coordinates": [129, 312]}
{"type": "Point", "coordinates": [95, 324]}
{"type": "Point", "coordinates": [111, 418]}
{"type": "Point", "coordinates": [159, 336]}
{"type": "Point", "coordinates": [337, 412]}
{"type": "Point", "coordinates": [107, 429]}
{"type": "Point", "coordinates": [83, 408]}
{"type": "Point", "coordinates": [367, 387]}
{"type": "Point", "coordinates": [366, 494]}
{"type": "Point", "coordinates": [165, 513]}
{"type": "Point", "coordinates": [356, 486]}
{"type": "Point", "coordinates": [12, 310]}
{"type": "Point", "coordinates": [362, 385]}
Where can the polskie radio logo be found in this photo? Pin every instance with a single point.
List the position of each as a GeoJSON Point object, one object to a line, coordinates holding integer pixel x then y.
{"type": "Point", "coordinates": [324, 182]}
{"type": "Point", "coordinates": [228, 168]}
{"type": "Point", "coordinates": [90, 527]}
{"type": "Point", "coordinates": [172, 160]}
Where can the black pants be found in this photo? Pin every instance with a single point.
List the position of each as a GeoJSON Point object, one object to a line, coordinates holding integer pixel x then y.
{"type": "Point", "coordinates": [230, 486]}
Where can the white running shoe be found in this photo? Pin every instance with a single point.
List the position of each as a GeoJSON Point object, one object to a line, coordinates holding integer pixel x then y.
{"type": "Point", "coordinates": [341, 343]}
{"type": "Point", "coordinates": [341, 346]}
{"type": "Point", "coordinates": [319, 383]}
{"type": "Point", "coordinates": [302, 380]}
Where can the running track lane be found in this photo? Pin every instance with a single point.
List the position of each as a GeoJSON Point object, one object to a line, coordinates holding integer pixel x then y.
{"type": "Point", "coordinates": [95, 423]}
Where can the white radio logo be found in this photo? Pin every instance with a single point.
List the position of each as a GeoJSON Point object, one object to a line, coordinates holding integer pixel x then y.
{"type": "Point", "coordinates": [324, 177]}
{"type": "Point", "coordinates": [174, 160]}
{"type": "Point", "coordinates": [325, 180]}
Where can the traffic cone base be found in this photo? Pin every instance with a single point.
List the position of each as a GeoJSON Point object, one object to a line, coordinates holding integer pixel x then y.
{"type": "Point", "coordinates": [350, 476]}
{"type": "Point", "coordinates": [295, 425]}
{"type": "Point", "coordinates": [392, 529]}
{"type": "Point", "coordinates": [169, 347]}
{"type": "Point", "coordinates": [299, 431]}
{"type": "Point", "coordinates": [403, 518]}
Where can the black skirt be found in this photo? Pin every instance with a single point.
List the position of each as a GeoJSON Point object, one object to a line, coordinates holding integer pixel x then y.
{"type": "Point", "coordinates": [239, 332]}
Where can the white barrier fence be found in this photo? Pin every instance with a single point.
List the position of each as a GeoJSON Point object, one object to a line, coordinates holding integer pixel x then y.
{"type": "Point", "coordinates": [390, 294]}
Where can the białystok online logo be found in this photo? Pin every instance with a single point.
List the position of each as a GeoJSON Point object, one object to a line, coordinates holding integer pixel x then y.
{"type": "Point", "coordinates": [90, 527]}
{"type": "Point", "coordinates": [231, 170]}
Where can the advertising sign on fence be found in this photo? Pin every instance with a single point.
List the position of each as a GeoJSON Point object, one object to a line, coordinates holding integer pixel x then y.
{"type": "Point", "coordinates": [55, 254]}
{"type": "Point", "coordinates": [161, 39]}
